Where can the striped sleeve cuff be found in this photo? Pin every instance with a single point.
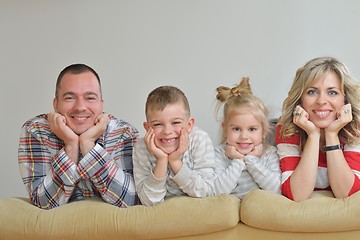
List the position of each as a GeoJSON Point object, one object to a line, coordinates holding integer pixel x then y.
{"type": "Point", "coordinates": [93, 162]}
{"type": "Point", "coordinates": [65, 169]}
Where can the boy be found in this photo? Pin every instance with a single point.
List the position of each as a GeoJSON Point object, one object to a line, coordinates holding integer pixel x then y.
{"type": "Point", "coordinates": [174, 157]}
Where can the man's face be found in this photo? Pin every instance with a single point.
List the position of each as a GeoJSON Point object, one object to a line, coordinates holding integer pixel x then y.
{"type": "Point", "coordinates": [79, 100]}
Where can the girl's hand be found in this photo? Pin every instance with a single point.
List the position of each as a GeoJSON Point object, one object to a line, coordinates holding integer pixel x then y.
{"type": "Point", "coordinates": [232, 153]}
{"type": "Point", "coordinates": [257, 150]}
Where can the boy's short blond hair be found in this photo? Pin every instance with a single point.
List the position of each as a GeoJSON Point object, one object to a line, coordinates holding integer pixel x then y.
{"type": "Point", "coordinates": [162, 96]}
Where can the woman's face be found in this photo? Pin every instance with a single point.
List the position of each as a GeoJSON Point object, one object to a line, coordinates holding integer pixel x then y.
{"type": "Point", "coordinates": [323, 100]}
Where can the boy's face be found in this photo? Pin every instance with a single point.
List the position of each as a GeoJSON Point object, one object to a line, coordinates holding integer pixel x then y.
{"type": "Point", "coordinates": [167, 125]}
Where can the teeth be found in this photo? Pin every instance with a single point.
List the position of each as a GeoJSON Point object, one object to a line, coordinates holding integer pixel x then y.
{"type": "Point", "coordinates": [322, 114]}
{"type": "Point", "coordinates": [80, 118]}
{"type": "Point", "coordinates": [168, 140]}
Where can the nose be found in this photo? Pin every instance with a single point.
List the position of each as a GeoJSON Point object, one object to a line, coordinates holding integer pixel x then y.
{"type": "Point", "coordinates": [322, 98]}
{"type": "Point", "coordinates": [243, 135]}
{"type": "Point", "coordinates": [80, 105]}
{"type": "Point", "coordinates": [167, 129]}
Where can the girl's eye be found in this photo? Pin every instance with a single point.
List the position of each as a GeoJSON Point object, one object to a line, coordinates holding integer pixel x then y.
{"type": "Point", "coordinates": [252, 129]}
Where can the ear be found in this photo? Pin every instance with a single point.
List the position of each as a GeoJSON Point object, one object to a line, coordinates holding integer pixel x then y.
{"type": "Point", "coordinates": [191, 123]}
{"type": "Point", "coordinates": [146, 126]}
{"type": "Point", "coordinates": [55, 104]}
{"type": "Point", "coordinates": [223, 128]}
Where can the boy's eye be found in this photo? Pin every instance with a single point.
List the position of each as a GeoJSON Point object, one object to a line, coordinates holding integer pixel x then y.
{"type": "Point", "coordinates": [236, 129]}
{"type": "Point", "coordinates": [156, 124]}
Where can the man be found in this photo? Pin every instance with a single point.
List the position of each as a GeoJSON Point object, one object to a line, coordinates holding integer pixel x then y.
{"type": "Point", "coordinates": [77, 151]}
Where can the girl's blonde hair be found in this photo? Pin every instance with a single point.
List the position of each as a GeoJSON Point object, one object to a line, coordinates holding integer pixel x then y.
{"type": "Point", "coordinates": [305, 77]}
{"type": "Point", "coordinates": [233, 98]}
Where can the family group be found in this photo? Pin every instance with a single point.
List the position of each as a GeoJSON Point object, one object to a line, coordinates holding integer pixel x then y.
{"type": "Point", "coordinates": [79, 151]}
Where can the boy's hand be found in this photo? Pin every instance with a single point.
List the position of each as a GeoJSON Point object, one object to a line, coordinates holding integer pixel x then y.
{"type": "Point", "coordinates": [150, 144]}
{"type": "Point", "coordinates": [183, 146]}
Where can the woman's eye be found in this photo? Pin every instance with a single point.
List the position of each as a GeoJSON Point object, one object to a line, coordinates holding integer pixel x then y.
{"type": "Point", "coordinates": [333, 93]}
{"type": "Point", "coordinates": [311, 92]}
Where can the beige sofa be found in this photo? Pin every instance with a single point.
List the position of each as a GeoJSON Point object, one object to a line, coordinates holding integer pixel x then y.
{"type": "Point", "coordinates": [261, 215]}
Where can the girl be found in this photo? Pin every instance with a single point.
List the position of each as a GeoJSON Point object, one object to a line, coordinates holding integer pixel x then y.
{"type": "Point", "coordinates": [243, 159]}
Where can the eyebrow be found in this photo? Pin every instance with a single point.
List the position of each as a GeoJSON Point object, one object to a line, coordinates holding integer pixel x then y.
{"type": "Point", "coordinates": [86, 93]}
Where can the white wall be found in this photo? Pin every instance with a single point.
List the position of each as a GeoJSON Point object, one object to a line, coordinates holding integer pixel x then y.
{"type": "Point", "coordinates": [136, 46]}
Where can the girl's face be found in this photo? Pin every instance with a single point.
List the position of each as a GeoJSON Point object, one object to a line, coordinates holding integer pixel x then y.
{"type": "Point", "coordinates": [168, 124]}
{"type": "Point", "coordinates": [243, 130]}
{"type": "Point", "coordinates": [323, 100]}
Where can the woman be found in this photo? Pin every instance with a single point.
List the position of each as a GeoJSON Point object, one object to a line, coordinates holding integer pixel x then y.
{"type": "Point", "coordinates": [318, 133]}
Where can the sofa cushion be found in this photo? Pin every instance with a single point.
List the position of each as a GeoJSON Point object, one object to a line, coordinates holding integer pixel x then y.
{"type": "Point", "coordinates": [95, 219]}
{"type": "Point", "coordinates": [321, 213]}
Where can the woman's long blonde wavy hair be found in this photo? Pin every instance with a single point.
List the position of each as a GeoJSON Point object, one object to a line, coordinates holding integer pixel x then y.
{"type": "Point", "coordinates": [233, 98]}
{"type": "Point", "coordinates": [306, 76]}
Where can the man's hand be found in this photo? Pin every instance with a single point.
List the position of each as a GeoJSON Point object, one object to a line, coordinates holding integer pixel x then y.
{"type": "Point", "coordinates": [87, 139]}
{"type": "Point", "coordinates": [57, 123]}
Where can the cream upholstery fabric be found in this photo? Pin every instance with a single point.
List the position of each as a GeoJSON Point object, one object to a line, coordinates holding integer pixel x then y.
{"type": "Point", "coordinates": [95, 219]}
{"type": "Point", "coordinates": [321, 213]}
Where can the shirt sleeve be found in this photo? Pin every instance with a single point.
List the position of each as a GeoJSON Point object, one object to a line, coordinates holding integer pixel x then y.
{"type": "Point", "coordinates": [352, 156]}
{"type": "Point", "coordinates": [265, 170]}
{"type": "Point", "coordinates": [227, 172]}
{"type": "Point", "coordinates": [109, 167]}
{"type": "Point", "coordinates": [196, 176]}
{"type": "Point", "coordinates": [49, 180]}
{"type": "Point", "coordinates": [151, 190]}
{"type": "Point", "coordinates": [289, 154]}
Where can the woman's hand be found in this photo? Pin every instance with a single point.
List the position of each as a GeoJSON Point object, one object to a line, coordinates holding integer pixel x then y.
{"type": "Point", "coordinates": [301, 119]}
{"type": "Point", "coordinates": [344, 116]}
